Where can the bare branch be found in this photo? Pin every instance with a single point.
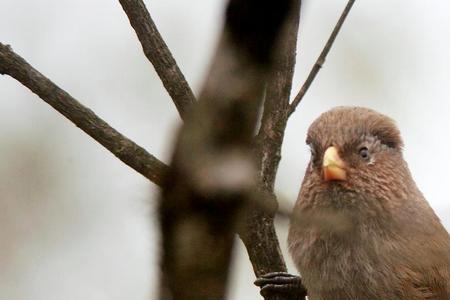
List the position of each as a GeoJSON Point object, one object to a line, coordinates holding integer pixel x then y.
{"type": "Point", "coordinates": [260, 237]}
{"type": "Point", "coordinates": [125, 149]}
{"type": "Point", "coordinates": [321, 59]}
{"type": "Point", "coordinates": [157, 52]}
{"type": "Point", "coordinates": [213, 174]}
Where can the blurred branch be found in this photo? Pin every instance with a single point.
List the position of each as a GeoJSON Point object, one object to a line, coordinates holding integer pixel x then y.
{"type": "Point", "coordinates": [125, 149]}
{"type": "Point", "coordinates": [321, 59]}
{"type": "Point", "coordinates": [157, 52]}
{"type": "Point", "coordinates": [213, 174]}
{"type": "Point", "coordinates": [260, 237]}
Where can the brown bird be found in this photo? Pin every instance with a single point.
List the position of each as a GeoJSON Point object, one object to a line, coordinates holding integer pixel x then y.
{"type": "Point", "coordinates": [361, 229]}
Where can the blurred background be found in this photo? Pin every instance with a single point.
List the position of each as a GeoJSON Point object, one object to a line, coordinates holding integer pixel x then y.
{"type": "Point", "coordinates": [76, 223]}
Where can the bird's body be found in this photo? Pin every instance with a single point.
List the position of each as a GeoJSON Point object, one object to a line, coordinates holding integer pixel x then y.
{"type": "Point", "coordinates": [361, 229]}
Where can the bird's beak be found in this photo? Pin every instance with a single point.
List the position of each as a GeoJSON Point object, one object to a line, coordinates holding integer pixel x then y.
{"type": "Point", "coordinates": [333, 166]}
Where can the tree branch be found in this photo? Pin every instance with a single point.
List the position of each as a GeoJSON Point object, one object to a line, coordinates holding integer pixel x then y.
{"type": "Point", "coordinates": [321, 59]}
{"type": "Point", "coordinates": [212, 174]}
{"type": "Point", "coordinates": [260, 238]}
{"type": "Point", "coordinates": [125, 149]}
{"type": "Point", "coordinates": [157, 52]}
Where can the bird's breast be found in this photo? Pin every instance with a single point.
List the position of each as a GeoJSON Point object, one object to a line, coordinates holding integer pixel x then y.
{"type": "Point", "coordinates": [338, 264]}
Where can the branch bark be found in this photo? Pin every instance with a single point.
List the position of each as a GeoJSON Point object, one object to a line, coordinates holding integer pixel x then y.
{"type": "Point", "coordinates": [213, 173]}
{"type": "Point", "coordinates": [321, 59]}
{"type": "Point", "coordinates": [202, 197]}
{"type": "Point", "coordinates": [125, 149]}
{"type": "Point", "coordinates": [260, 237]}
{"type": "Point", "coordinates": [157, 52]}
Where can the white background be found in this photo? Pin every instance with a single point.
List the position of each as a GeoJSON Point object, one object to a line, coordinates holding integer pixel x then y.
{"type": "Point", "coordinates": [76, 223]}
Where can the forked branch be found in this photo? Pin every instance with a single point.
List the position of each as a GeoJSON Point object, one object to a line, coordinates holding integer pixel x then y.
{"type": "Point", "coordinates": [260, 237]}
{"type": "Point", "coordinates": [213, 174]}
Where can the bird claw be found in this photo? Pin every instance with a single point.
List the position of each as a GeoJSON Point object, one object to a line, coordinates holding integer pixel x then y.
{"type": "Point", "coordinates": [281, 283]}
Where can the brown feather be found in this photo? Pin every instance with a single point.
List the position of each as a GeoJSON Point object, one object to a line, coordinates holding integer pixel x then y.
{"type": "Point", "coordinates": [373, 236]}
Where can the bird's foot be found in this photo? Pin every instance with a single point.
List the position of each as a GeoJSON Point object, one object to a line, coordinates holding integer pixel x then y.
{"type": "Point", "coordinates": [281, 283]}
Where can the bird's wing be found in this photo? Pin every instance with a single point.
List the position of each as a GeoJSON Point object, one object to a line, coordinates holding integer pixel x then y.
{"type": "Point", "coordinates": [431, 283]}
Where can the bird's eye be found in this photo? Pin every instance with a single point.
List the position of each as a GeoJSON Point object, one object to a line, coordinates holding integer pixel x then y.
{"type": "Point", "coordinates": [364, 153]}
{"type": "Point", "coordinates": [313, 152]}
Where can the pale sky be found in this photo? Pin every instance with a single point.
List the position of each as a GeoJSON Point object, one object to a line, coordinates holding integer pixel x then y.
{"type": "Point", "coordinates": [76, 223]}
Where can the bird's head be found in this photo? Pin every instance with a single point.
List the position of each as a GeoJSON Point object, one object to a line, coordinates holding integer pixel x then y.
{"type": "Point", "coordinates": [356, 150]}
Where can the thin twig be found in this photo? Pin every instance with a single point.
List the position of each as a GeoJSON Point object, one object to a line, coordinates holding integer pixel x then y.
{"type": "Point", "coordinates": [321, 60]}
{"type": "Point", "coordinates": [157, 52]}
{"type": "Point", "coordinates": [125, 149]}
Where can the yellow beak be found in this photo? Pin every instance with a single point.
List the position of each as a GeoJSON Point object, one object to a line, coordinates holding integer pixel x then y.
{"type": "Point", "coordinates": [333, 166]}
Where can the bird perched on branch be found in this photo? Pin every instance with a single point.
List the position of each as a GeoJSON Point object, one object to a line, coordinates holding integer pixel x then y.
{"type": "Point", "coordinates": [361, 229]}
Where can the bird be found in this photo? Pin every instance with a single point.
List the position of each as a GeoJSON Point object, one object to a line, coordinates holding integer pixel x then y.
{"type": "Point", "coordinates": [360, 228]}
